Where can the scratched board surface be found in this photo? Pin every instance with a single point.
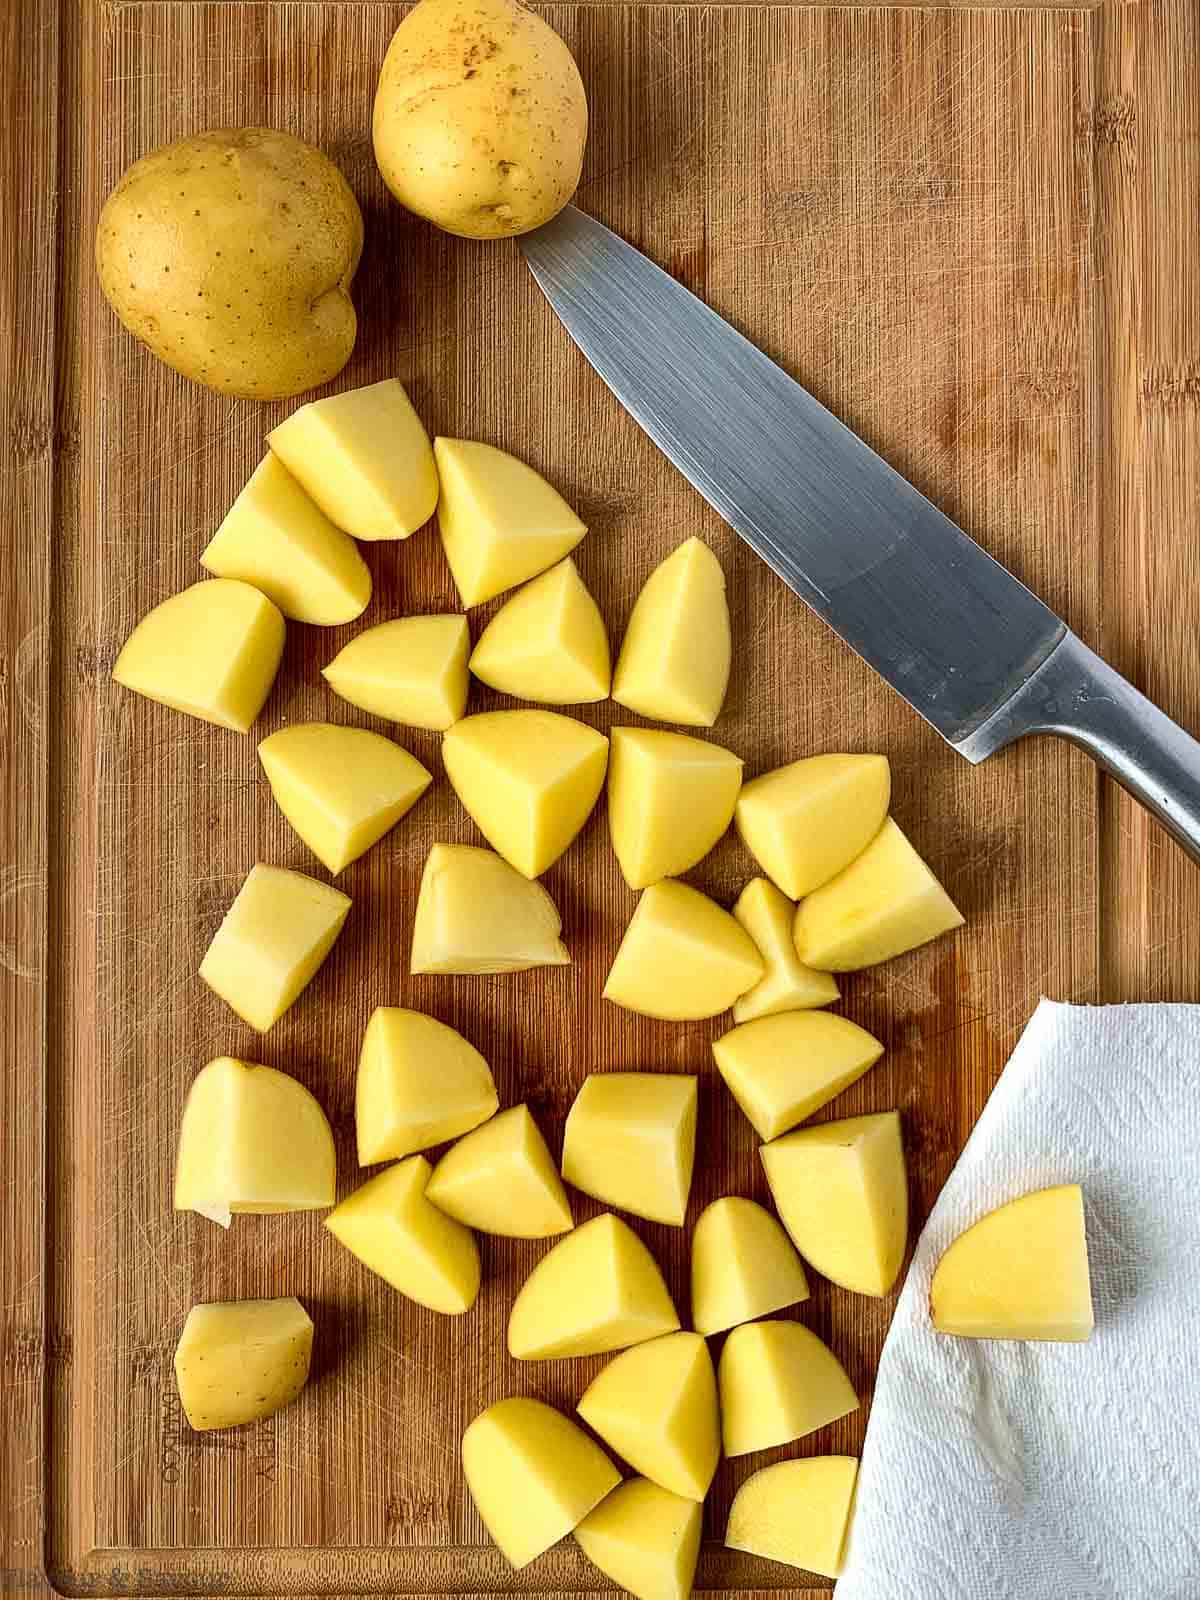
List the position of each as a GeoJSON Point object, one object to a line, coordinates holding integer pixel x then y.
{"type": "Point", "coordinates": [897, 204]}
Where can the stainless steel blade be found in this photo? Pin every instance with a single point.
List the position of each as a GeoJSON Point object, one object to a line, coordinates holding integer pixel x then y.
{"type": "Point", "coordinates": [925, 605]}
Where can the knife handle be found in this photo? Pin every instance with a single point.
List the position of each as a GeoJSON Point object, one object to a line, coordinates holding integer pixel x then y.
{"type": "Point", "coordinates": [1078, 696]}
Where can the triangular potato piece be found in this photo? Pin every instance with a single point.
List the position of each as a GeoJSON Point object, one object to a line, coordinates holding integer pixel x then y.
{"type": "Point", "coordinates": [598, 1289]}
{"type": "Point", "coordinates": [778, 1382]}
{"type": "Point", "coordinates": [630, 1141]}
{"type": "Point", "coordinates": [500, 521]}
{"type": "Point", "coordinates": [275, 537]}
{"type": "Point", "coordinates": [841, 1190]}
{"type": "Point", "coordinates": [675, 657]}
{"type": "Point", "coordinates": [782, 1069]}
{"type": "Point", "coordinates": [804, 822]}
{"type": "Point", "coordinates": [682, 956]}
{"type": "Point", "coordinates": [796, 1511]}
{"type": "Point", "coordinates": [767, 915]}
{"type": "Point", "coordinates": [340, 788]}
{"type": "Point", "coordinates": [411, 670]}
{"type": "Point", "coordinates": [670, 798]}
{"type": "Point", "coordinates": [529, 778]}
{"type": "Point", "coordinates": [645, 1539]}
{"type": "Point", "coordinates": [547, 643]}
{"type": "Point", "coordinates": [419, 1083]}
{"type": "Point", "coordinates": [475, 913]}
{"type": "Point", "coordinates": [656, 1405]}
{"type": "Point", "coordinates": [502, 1179]}
{"type": "Point", "coordinates": [1021, 1272]}
{"type": "Point", "coordinates": [743, 1266]}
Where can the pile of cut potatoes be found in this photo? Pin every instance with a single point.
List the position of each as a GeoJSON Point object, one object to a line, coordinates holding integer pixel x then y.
{"type": "Point", "coordinates": [841, 888]}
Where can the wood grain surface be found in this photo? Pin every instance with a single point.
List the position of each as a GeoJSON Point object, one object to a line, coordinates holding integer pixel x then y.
{"type": "Point", "coordinates": [972, 231]}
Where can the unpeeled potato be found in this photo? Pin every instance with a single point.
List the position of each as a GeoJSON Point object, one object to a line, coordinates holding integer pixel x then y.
{"type": "Point", "coordinates": [230, 256]}
{"type": "Point", "coordinates": [480, 117]}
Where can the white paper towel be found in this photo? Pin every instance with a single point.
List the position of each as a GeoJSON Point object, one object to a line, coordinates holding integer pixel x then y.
{"type": "Point", "coordinates": [1020, 1471]}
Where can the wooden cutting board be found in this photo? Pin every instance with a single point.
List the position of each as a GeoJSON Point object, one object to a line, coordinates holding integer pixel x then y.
{"type": "Point", "coordinates": [972, 232]}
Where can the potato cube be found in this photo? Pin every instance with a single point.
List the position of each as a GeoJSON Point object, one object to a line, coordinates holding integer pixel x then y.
{"type": "Point", "coordinates": [533, 1475]}
{"type": "Point", "coordinates": [411, 670]}
{"type": "Point", "coordinates": [675, 657]}
{"type": "Point", "coordinates": [598, 1289]}
{"type": "Point", "coordinates": [682, 956]}
{"type": "Point", "coordinates": [656, 1405]}
{"type": "Point", "coordinates": [630, 1141]}
{"type": "Point", "coordinates": [252, 1139]}
{"type": "Point", "coordinates": [502, 1179]}
{"type": "Point", "coordinates": [804, 822]}
{"type": "Point", "coordinates": [365, 458]}
{"type": "Point", "coordinates": [419, 1083]}
{"type": "Point", "coordinates": [797, 1512]}
{"type": "Point", "coordinates": [275, 935]}
{"type": "Point", "coordinates": [500, 521]}
{"type": "Point", "coordinates": [670, 798]}
{"type": "Point", "coordinates": [340, 788]}
{"type": "Point", "coordinates": [778, 1382]}
{"type": "Point", "coordinates": [548, 643]}
{"type": "Point", "coordinates": [241, 1360]}
{"type": "Point", "coordinates": [743, 1266]}
{"type": "Point", "coordinates": [529, 778]}
{"type": "Point", "coordinates": [842, 1192]}
{"type": "Point", "coordinates": [767, 915]}
{"type": "Point", "coordinates": [781, 1069]}
{"type": "Point", "coordinates": [211, 651]}
{"type": "Point", "coordinates": [475, 913]}
{"type": "Point", "coordinates": [390, 1225]}
{"type": "Point", "coordinates": [276, 538]}
{"type": "Point", "coordinates": [645, 1539]}
{"type": "Point", "coordinates": [885, 902]}
{"type": "Point", "coordinates": [1020, 1272]}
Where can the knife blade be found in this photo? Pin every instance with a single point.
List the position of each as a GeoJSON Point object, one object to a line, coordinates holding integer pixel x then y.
{"type": "Point", "coordinates": [964, 641]}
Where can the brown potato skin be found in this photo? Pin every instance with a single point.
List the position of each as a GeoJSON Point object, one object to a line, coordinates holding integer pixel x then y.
{"type": "Point", "coordinates": [230, 255]}
{"type": "Point", "coordinates": [480, 117]}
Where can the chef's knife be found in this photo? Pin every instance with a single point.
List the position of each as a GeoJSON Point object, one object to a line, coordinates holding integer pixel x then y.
{"type": "Point", "coordinates": [965, 643]}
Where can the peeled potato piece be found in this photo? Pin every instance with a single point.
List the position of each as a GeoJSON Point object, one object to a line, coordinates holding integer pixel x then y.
{"type": "Point", "coordinates": [364, 457]}
{"type": "Point", "coordinates": [767, 915]}
{"type": "Point", "coordinates": [645, 1539]}
{"type": "Point", "coordinates": [670, 798]}
{"type": "Point", "coordinates": [548, 643]}
{"type": "Point", "coordinates": [500, 521]}
{"type": "Point", "coordinates": [533, 1475]}
{"type": "Point", "coordinates": [502, 1179]}
{"type": "Point", "coordinates": [341, 789]}
{"type": "Point", "coordinates": [475, 913]}
{"type": "Point", "coordinates": [419, 1083]}
{"type": "Point", "coordinates": [743, 1266]}
{"type": "Point", "coordinates": [796, 1511]}
{"type": "Point", "coordinates": [211, 651]}
{"type": "Point", "coordinates": [656, 1406]}
{"type": "Point", "coordinates": [598, 1289]}
{"type": "Point", "coordinates": [252, 1139]}
{"type": "Point", "coordinates": [885, 902]}
{"type": "Point", "coordinates": [529, 778]}
{"type": "Point", "coordinates": [275, 935]}
{"type": "Point", "coordinates": [806, 821]}
{"type": "Point", "coordinates": [778, 1382]}
{"type": "Point", "coordinates": [781, 1069]}
{"type": "Point", "coordinates": [411, 670]}
{"type": "Point", "coordinates": [630, 1141]}
{"type": "Point", "coordinates": [276, 538]}
{"type": "Point", "coordinates": [682, 956]}
{"type": "Point", "coordinates": [241, 1360]}
{"type": "Point", "coordinates": [841, 1190]}
{"type": "Point", "coordinates": [1020, 1272]}
{"type": "Point", "coordinates": [390, 1225]}
{"type": "Point", "coordinates": [675, 657]}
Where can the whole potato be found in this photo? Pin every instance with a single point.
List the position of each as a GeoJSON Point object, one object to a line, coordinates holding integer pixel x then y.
{"type": "Point", "coordinates": [480, 117]}
{"type": "Point", "coordinates": [230, 256]}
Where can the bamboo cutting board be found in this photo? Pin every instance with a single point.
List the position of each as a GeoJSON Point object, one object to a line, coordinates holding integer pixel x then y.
{"type": "Point", "coordinates": [971, 232]}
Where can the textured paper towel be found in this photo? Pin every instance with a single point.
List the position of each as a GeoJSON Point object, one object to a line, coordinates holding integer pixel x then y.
{"type": "Point", "coordinates": [1056, 1471]}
